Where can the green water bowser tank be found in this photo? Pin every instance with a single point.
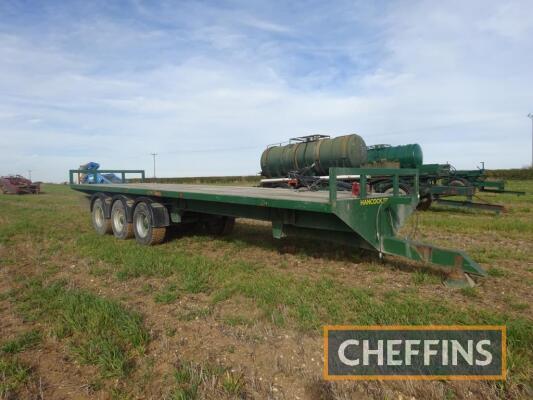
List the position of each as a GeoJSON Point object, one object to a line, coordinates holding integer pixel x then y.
{"type": "Point", "coordinates": [408, 155]}
{"type": "Point", "coordinates": [322, 151]}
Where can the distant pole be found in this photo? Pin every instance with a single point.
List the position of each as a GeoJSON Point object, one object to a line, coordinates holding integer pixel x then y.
{"type": "Point", "coordinates": [530, 116]}
{"type": "Point", "coordinates": [29, 174]}
{"type": "Point", "coordinates": [153, 155]}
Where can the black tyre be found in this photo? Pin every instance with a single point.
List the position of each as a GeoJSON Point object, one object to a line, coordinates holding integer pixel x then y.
{"type": "Point", "coordinates": [119, 221]}
{"type": "Point", "coordinates": [145, 233]}
{"type": "Point", "coordinates": [101, 224]}
{"type": "Point", "coordinates": [403, 190]}
{"type": "Point", "coordinates": [220, 225]}
{"type": "Point", "coordinates": [458, 182]}
{"type": "Point", "coordinates": [424, 203]}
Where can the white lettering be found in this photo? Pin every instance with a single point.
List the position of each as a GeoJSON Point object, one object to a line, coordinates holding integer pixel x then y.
{"type": "Point", "coordinates": [468, 355]}
{"type": "Point", "coordinates": [483, 352]}
{"type": "Point", "coordinates": [409, 351]}
{"type": "Point", "coordinates": [391, 352]}
{"type": "Point", "coordinates": [368, 352]}
{"type": "Point", "coordinates": [428, 351]}
{"type": "Point", "coordinates": [342, 350]}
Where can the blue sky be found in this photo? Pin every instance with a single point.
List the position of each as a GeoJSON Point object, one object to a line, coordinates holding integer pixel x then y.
{"type": "Point", "coordinates": [208, 85]}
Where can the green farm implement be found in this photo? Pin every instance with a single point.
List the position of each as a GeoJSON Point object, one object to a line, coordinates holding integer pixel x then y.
{"type": "Point", "coordinates": [303, 162]}
{"type": "Point", "coordinates": [362, 218]}
{"type": "Point", "coordinates": [439, 181]}
{"type": "Point", "coordinates": [478, 179]}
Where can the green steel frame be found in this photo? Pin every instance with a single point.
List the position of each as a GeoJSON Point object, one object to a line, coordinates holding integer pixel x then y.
{"type": "Point", "coordinates": [369, 221]}
{"type": "Point", "coordinates": [432, 187]}
{"type": "Point", "coordinates": [478, 179]}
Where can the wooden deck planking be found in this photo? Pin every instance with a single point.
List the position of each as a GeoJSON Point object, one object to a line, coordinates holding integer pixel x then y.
{"type": "Point", "coordinates": [241, 191]}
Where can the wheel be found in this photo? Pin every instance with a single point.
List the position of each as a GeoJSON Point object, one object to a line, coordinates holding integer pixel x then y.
{"type": "Point", "coordinates": [220, 225]}
{"type": "Point", "coordinates": [119, 222]}
{"type": "Point", "coordinates": [403, 190]}
{"type": "Point", "coordinates": [457, 182]}
{"type": "Point", "coordinates": [424, 203]}
{"type": "Point", "coordinates": [143, 228]}
{"type": "Point", "coordinates": [101, 224]}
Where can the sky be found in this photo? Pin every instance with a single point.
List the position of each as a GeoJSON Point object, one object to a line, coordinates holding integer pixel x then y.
{"type": "Point", "coordinates": [207, 85]}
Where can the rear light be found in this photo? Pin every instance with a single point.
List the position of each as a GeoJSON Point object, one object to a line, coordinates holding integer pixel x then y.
{"type": "Point", "coordinates": [293, 182]}
{"type": "Point", "coordinates": [356, 189]}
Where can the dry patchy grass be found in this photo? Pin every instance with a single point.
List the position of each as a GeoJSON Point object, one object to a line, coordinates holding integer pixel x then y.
{"type": "Point", "coordinates": [240, 317]}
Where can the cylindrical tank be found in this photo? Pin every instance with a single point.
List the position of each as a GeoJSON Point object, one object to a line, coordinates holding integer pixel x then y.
{"type": "Point", "coordinates": [342, 151]}
{"type": "Point", "coordinates": [408, 155]}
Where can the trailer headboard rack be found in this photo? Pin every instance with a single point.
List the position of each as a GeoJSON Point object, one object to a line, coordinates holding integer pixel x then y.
{"type": "Point", "coordinates": [94, 172]}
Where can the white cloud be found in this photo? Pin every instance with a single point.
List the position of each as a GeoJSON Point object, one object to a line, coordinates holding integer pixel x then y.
{"type": "Point", "coordinates": [453, 77]}
{"type": "Point", "coordinates": [508, 21]}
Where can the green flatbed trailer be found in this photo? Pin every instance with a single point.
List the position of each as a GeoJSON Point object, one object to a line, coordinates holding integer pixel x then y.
{"type": "Point", "coordinates": [368, 220]}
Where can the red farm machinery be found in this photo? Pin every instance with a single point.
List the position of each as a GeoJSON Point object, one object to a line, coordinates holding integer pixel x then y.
{"type": "Point", "coordinates": [17, 184]}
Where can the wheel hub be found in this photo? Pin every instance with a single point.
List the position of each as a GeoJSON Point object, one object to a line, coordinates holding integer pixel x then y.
{"type": "Point", "coordinates": [143, 225]}
{"type": "Point", "coordinates": [118, 220]}
{"type": "Point", "coordinates": [99, 216]}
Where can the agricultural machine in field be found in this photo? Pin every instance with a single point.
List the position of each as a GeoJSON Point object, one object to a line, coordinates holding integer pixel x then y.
{"type": "Point", "coordinates": [17, 184]}
{"type": "Point", "coordinates": [478, 178]}
{"type": "Point", "coordinates": [438, 181]}
{"type": "Point", "coordinates": [304, 161]}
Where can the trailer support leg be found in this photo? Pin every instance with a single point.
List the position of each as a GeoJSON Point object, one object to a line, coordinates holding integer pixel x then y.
{"type": "Point", "coordinates": [277, 229]}
{"type": "Point", "coordinates": [456, 278]}
{"type": "Point", "coordinates": [456, 263]}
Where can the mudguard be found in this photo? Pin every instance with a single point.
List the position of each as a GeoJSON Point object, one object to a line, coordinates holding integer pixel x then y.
{"type": "Point", "coordinates": [160, 215]}
{"type": "Point", "coordinates": [129, 205]}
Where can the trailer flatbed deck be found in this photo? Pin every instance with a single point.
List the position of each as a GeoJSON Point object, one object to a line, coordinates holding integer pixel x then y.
{"type": "Point", "coordinates": [222, 191]}
{"type": "Point", "coordinates": [368, 220]}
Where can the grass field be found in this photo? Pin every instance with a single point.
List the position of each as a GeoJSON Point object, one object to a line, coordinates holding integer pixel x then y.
{"type": "Point", "coordinates": [85, 316]}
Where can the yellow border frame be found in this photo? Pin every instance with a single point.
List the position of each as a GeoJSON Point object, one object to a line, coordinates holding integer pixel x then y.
{"type": "Point", "coordinates": [501, 328]}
